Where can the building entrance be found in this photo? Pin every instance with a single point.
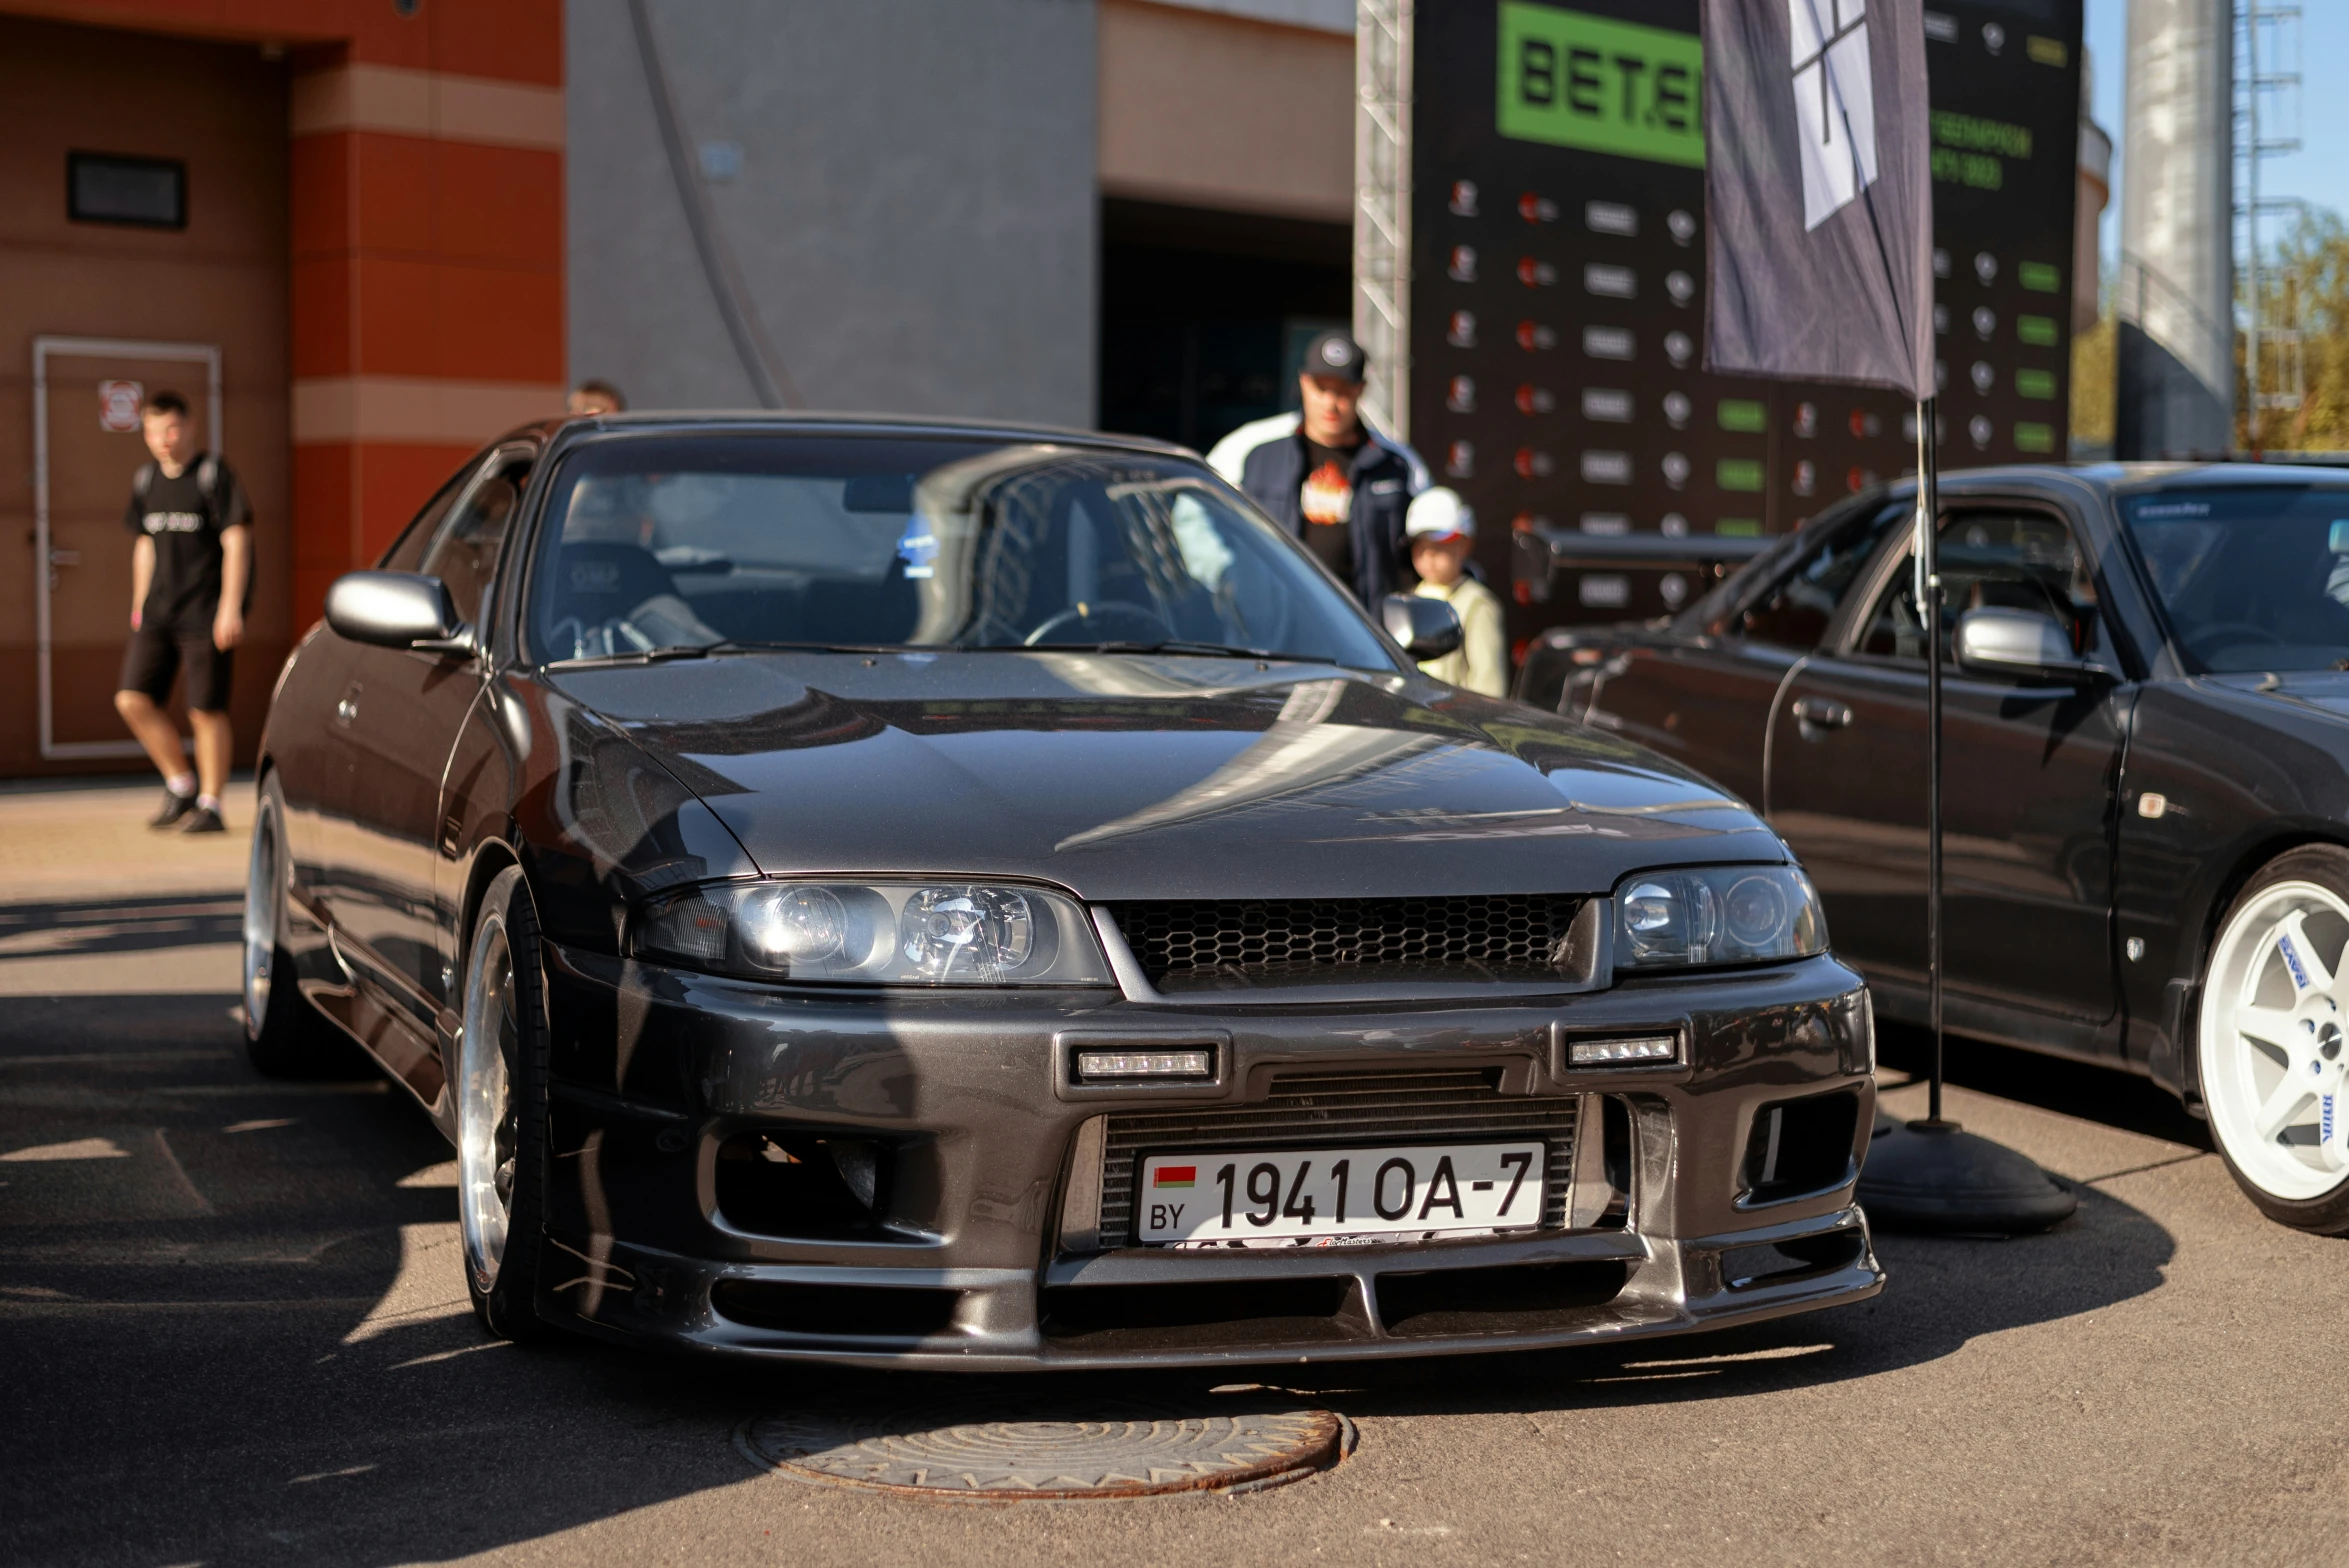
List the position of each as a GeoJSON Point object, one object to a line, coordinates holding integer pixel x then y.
{"type": "Point", "coordinates": [87, 449]}
{"type": "Point", "coordinates": [1205, 315]}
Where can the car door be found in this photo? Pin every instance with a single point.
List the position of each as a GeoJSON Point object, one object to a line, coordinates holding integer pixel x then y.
{"type": "Point", "coordinates": [313, 761]}
{"type": "Point", "coordinates": [400, 715]}
{"type": "Point", "coordinates": [2028, 775]}
{"type": "Point", "coordinates": [1705, 700]}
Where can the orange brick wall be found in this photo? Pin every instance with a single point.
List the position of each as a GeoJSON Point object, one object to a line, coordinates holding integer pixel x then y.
{"type": "Point", "coordinates": [427, 242]}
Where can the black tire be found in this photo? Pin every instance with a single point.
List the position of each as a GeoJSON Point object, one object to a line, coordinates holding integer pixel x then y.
{"type": "Point", "coordinates": [2304, 874]}
{"type": "Point", "coordinates": [285, 1037]}
{"type": "Point", "coordinates": [504, 1004]}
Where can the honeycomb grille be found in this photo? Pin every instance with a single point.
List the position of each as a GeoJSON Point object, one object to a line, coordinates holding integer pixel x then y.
{"type": "Point", "coordinates": [1337, 1109]}
{"type": "Point", "coordinates": [1274, 941]}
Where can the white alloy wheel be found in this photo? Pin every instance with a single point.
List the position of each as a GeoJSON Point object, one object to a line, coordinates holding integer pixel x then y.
{"type": "Point", "coordinates": [2273, 1052]}
{"type": "Point", "coordinates": [488, 1118]}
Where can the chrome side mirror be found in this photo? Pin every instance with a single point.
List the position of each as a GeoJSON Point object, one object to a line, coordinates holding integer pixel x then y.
{"type": "Point", "coordinates": [397, 610]}
{"type": "Point", "coordinates": [2020, 642]}
{"type": "Point", "coordinates": [1426, 628]}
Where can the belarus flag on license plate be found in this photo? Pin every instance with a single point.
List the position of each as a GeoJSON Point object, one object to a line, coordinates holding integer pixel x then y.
{"type": "Point", "coordinates": [1174, 1176]}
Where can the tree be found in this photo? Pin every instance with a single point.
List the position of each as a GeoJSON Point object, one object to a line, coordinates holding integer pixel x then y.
{"type": "Point", "coordinates": [2305, 280]}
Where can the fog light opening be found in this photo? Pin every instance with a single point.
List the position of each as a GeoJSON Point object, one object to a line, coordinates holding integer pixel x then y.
{"type": "Point", "coordinates": [1098, 1066]}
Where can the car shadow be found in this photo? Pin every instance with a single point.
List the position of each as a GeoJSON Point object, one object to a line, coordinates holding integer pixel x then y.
{"type": "Point", "coordinates": [268, 1357]}
{"type": "Point", "coordinates": [2110, 1096]}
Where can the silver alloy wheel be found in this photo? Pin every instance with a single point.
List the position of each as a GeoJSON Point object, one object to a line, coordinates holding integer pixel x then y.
{"type": "Point", "coordinates": [488, 1120]}
{"type": "Point", "coordinates": [264, 889]}
{"type": "Point", "coordinates": [2273, 1051]}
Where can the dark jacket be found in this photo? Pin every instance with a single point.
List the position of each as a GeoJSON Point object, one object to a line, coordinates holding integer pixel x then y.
{"type": "Point", "coordinates": [1266, 460]}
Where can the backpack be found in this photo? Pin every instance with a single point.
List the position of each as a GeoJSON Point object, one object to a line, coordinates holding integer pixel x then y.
{"type": "Point", "coordinates": [207, 482]}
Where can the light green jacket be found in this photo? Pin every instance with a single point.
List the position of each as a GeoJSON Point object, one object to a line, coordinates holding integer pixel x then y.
{"type": "Point", "coordinates": [1481, 662]}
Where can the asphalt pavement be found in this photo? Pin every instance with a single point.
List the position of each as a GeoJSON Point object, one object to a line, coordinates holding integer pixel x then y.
{"type": "Point", "coordinates": [232, 1331]}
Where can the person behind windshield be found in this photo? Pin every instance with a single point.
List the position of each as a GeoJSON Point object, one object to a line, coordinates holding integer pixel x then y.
{"type": "Point", "coordinates": [1327, 477]}
{"type": "Point", "coordinates": [1442, 531]}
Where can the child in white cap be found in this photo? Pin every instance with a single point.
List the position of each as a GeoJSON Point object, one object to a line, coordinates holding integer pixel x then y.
{"type": "Point", "coordinates": [1441, 531]}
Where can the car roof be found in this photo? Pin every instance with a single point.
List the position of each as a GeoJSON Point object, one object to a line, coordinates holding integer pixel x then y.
{"type": "Point", "coordinates": [743, 421]}
{"type": "Point", "coordinates": [2138, 477]}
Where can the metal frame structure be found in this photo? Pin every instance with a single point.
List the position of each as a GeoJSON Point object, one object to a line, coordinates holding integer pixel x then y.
{"type": "Point", "coordinates": [2278, 26]}
{"type": "Point", "coordinates": [46, 558]}
{"type": "Point", "coordinates": [1382, 207]}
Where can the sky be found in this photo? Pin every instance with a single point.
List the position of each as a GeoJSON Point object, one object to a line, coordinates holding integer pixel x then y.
{"type": "Point", "coordinates": [2319, 172]}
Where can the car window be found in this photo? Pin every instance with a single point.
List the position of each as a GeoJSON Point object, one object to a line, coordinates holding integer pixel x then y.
{"type": "Point", "coordinates": [2252, 577]}
{"type": "Point", "coordinates": [1795, 613]}
{"type": "Point", "coordinates": [2007, 559]}
{"type": "Point", "coordinates": [678, 541]}
{"type": "Point", "coordinates": [464, 553]}
{"type": "Point", "coordinates": [407, 551]}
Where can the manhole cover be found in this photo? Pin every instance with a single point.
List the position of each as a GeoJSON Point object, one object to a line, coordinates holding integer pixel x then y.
{"type": "Point", "coordinates": [1104, 1449]}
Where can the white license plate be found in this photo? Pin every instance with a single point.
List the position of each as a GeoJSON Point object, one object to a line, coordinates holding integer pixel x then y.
{"type": "Point", "coordinates": [1297, 1196]}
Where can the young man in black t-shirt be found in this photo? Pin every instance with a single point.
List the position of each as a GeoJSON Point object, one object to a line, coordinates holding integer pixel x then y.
{"type": "Point", "coordinates": [191, 579]}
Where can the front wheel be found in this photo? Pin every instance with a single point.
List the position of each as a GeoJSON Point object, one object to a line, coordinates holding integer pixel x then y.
{"type": "Point", "coordinates": [501, 1104]}
{"type": "Point", "coordinates": [284, 1035]}
{"type": "Point", "coordinates": [2270, 1037]}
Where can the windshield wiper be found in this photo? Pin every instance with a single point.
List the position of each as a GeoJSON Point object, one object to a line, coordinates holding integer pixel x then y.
{"type": "Point", "coordinates": [1209, 650]}
{"type": "Point", "coordinates": [662, 654]}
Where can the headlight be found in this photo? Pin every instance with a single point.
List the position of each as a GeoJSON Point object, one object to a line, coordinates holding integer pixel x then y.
{"type": "Point", "coordinates": [958, 933]}
{"type": "Point", "coordinates": [1724, 915]}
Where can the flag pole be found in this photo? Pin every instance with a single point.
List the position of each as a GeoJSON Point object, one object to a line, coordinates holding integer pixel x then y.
{"type": "Point", "coordinates": [1933, 1175]}
{"type": "Point", "coordinates": [1927, 554]}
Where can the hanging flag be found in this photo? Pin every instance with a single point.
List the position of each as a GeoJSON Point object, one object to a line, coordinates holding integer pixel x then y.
{"type": "Point", "coordinates": [1818, 187]}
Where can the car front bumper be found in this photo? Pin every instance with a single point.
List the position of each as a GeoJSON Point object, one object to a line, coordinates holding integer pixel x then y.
{"type": "Point", "coordinates": [986, 1246]}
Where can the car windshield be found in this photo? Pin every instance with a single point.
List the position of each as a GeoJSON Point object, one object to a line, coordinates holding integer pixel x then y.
{"type": "Point", "coordinates": [659, 544]}
{"type": "Point", "coordinates": [2253, 577]}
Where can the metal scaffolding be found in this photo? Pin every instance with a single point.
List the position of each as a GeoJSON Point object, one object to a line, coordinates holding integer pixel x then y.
{"type": "Point", "coordinates": [1382, 208]}
{"type": "Point", "coordinates": [2268, 92]}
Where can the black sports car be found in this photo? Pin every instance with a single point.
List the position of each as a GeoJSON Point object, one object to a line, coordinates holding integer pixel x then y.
{"type": "Point", "coordinates": [984, 897]}
{"type": "Point", "coordinates": [2146, 798]}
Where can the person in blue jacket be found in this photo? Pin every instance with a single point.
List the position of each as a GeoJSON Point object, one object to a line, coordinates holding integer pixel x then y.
{"type": "Point", "coordinates": [1327, 477]}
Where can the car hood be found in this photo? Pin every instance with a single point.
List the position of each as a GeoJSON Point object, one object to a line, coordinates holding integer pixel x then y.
{"type": "Point", "coordinates": [1119, 776]}
{"type": "Point", "coordinates": [2319, 692]}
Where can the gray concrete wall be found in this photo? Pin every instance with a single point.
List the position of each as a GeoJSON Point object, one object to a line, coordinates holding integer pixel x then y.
{"type": "Point", "coordinates": [914, 214]}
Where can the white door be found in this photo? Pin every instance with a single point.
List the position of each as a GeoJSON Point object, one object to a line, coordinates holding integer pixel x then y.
{"type": "Point", "coordinates": [86, 450]}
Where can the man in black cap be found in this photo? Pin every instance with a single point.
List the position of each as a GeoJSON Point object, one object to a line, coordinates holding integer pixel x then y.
{"type": "Point", "coordinates": [1327, 477]}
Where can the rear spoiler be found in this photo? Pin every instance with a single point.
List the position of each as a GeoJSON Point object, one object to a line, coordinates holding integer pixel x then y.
{"type": "Point", "coordinates": [1543, 550]}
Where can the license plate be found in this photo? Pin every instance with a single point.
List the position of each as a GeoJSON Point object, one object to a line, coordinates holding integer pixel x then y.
{"type": "Point", "coordinates": [1297, 1196]}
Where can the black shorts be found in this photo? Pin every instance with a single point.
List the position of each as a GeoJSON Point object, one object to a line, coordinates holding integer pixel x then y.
{"type": "Point", "coordinates": [155, 655]}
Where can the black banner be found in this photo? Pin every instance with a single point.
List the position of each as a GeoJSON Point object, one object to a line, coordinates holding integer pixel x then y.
{"type": "Point", "coordinates": [1557, 326]}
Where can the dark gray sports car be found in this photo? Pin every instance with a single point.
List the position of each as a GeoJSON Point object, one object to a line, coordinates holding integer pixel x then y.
{"type": "Point", "coordinates": [2146, 780]}
{"type": "Point", "coordinates": [983, 897]}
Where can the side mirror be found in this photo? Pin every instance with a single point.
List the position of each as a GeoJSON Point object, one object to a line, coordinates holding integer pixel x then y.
{"type": "Point", "coordinates": [397, 610]}
{"type": "Point", "coordinates": [2020, 642]}
{"type": "Point", "coordinates": [1427, 628]}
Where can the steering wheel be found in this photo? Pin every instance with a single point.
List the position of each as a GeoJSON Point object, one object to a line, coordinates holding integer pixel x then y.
{"type": "Point", "coordinates": [2253, 633]}
{"type": "Point", "coordinates": [1106, 609]}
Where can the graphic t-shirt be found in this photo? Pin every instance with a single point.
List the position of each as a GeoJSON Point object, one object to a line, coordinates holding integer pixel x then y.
{"type": "Point", "coordinates": [1327, 501]}
{"type": "Point", "coordinates": [186, 528]}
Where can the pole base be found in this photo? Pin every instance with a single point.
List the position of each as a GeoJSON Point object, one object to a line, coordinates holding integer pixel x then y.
{"type": "Point", "coordinates": [1935, 1178]}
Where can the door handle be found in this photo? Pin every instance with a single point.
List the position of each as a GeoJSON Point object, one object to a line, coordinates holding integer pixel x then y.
{"type": "Point", "coordinates": [1820, 713]}
{"type": "Point", "coordinates": [65, 558]}
{"type": "Point", "coordinates": [347, 710]}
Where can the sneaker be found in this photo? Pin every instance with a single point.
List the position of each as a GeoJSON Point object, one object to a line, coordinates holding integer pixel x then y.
{"type": "Point", "coordinates": [174, 807]}
{"type": "Point", "coordinates": [203, 819]}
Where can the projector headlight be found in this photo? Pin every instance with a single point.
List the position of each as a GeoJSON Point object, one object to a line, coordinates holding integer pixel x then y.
{"type": "Point", "coordinates": [948, 933]}
{"type": "Point", "coordinates": [1722, 915]}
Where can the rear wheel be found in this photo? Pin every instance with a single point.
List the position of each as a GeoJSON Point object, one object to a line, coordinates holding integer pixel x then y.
{"type": "Point", "coordinates": [2273, 1039]}
{"type": "Point", "coordinates": [284, 1035]}
{"type": "Point", "coordinates": [500, 1095]}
